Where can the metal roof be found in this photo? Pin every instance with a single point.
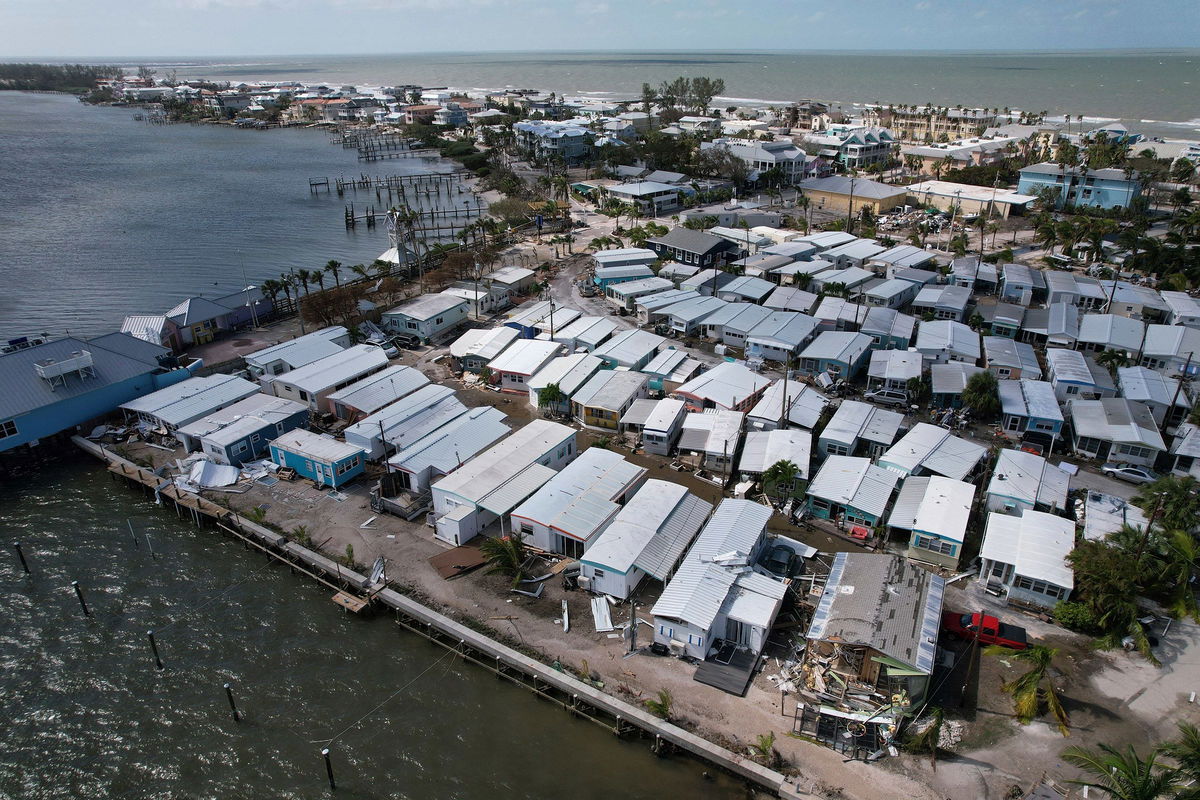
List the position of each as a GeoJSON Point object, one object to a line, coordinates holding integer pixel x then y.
{"type": "Point", "coordinates": [301, 350]}
{"type": "Point", "coordinates": [859, 187]}
{"type": "Point", "coordinates": [739, 317]}
{"type": "Point", "coordinates": [1145, 385]}
{"type": "Point", "coordinates": [395, 414]}
{"type": "Point", "coordinates": [581, 499]}
{"type": "Point", "coordinates": [569, 372]}
{"type": "Point", "coordinates": [244, 417]}
{"type": "Point", "coordinates": [695, 310]}
{"type": "Point", "coordinates": [1111, 330]}
{"type": "Point", "coordinates": [195, 310]}
{"type": "Point", "coordinates": [525, 356]}
{"type": "Point", "coordinates": [789, 298]}
{"type": "Point", "coordinates": [317, 447]}
{"type": "Point", "coordinates": [763, 449]}
{"type": "Point", "coordinates": [839, 309]}
{"type": "Point", "coordinates": [706, 279]}
{"type": "Point", "coordinates": [804, 404]}
{"type": "Point", "coordinates": [856, 483]}
{"type": "Point", "coordinates": [951, 378]}
{"type": "Point", "coordinates": [191, 399]}
{"type": "Point", "coordinates": [1035, 543]}
{"type": "Point", "coordinates": [786, 330]}
{"type": "Point", "coordinates": [631, 271]}
{"type": "Point", "coordinates": [508, 495]}
{"type": "Point", "coordinates": [446, 448]}
{"type": "Point", "coordinates": [1000, 351]}
{"type": "Point", "coordinates": [148, 328]}
{"type": "Point", "coordinates": [945, 508]}
{"type": "Point", "coordinates": [665, 363]}
{"type": "Point", "coordinates": [748, 286]}
{"type": "Point", "coordinates": [636, 288]}
{"type": "Point", "coordinates": [427, 306]}
{"type": "Point", "coordinates": [653, 302]}
{"type": "Point", "coordinates": [946, 335]}
{"type": "Point", "coordinates": [1029, 398]}
{"type": "Point", "coordinates": [500, 462]}
{"type": "Point", "coordinates": [713, 431]}
{"type": "Point", "coordinates": [883, 602]}
{"type": "Point", "coordinates": [908, 500]}
{"type": "Point", "coordinates": [842, 346]}
{"type": "Point", "coordinates": [1115, 419]}
{"type": "Point", "coordinates": [484, 343]}
{"type": "Point", "coordinates": [1104, 514]}
{"type": "Point", "coordinates": [336, 369]}
{"type": "Point", "coordinates": [933, 449]}
{"type": "Point", "coordinates": [725, 385]}
{"type": "Point", "coordinates": [586, 331]}
{"type": "Point", "coordinates": [856, 420]}
{"type": "Point", "coordinates": [610, 389]}
{"type": "Point", "coordinates": [1029, 478]}
{"type": "Point", "coordinates": [651, 531]}
{"type": "Point", "coordinates": [629, 347]}
{"type": "Point", "coordinates": [895, 365]}
{"type": "Point", "coordinates": [1172, 341]}
{"type": "Point", "coordinates": [640, 411]}
{"type": "Point", "coordinates": [904, 255]}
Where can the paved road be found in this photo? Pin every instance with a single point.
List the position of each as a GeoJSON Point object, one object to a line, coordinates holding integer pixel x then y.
{"type": "Point", "coordinates": [1089, 479]}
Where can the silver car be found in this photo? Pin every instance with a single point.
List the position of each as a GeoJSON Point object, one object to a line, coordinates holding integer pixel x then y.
{"type": "Point", "coordinates": [889, 397]}
{"type": "Point", "coordinates": [1128, 472]}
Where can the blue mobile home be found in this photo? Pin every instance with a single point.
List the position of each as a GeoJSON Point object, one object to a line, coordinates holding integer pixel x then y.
{"type": "Point", "coordinates": [321, 459]}
{"type": "Point", "coordinates": [242, 431]}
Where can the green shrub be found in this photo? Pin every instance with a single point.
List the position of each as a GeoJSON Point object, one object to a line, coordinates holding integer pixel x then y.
{"type": "Point", "coordinates": [1076, 617]}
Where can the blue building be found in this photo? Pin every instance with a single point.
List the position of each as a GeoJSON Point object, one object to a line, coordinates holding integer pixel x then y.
{"type": "Point", "coordinates": [888, 329]}
{"type": "Point", "coordinates": [242, 431]}
{"type": "Point", "coordinates": [1078, 186]}
{"type": "Point", "coordinates": [840, 353]}
{"type": "Point", "coordinates": [1031, 410]}
{"type": "Point", "coordinates": [67, 383]}
{"type": "Point", "coordinates": [321, 459]}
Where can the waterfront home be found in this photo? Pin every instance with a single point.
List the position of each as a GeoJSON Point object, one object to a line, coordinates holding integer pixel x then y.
{"type": "Point", "coordinates": [520, 361]}
{"type": "Point", "coordinates": [841, 195]}
{"type": "Point", "coordinates": [883, 639]}
{"type": "Point", "coordinates": [713, 600]}
{"type": "Point", "coordinates": [840, 354]}
{"type": "Point", "coordinates": [731, 323]}
{"type": "Point", "coordinates": [893, 369]}
{"type": "Point", "coordinates": [442, 450]}
{"type": "Point", "coordinates": [851, 491]}
{"type": "Point", "coordinates": [901, 256]}
{"type": "Point", "coordinates": [477, 346]}
{"type": "Point", "coordinates": [586, 333]}
{"type": "Point", "coordinates": [632, 349]}
{"type": "Point", "coordinates": [1076, 186]}
{"type": "Point", "coordinates": [1025, 558]}
{"type": "Point", "coordinates": [789, 298]}
{"type": "Point", "coordinates": [313, 383]}
{"type": "Point", "coordinates": [398, 424]}
{"type": "Point", "coordinates": [686, 317]}
{"type": "Point", "coordinates": [1173, 350]}
{"type": "Point", "coordinates": [707, 282]}
{"type": "Point", "coordinates": [1076, 376]}
{"type": "Point", "coordinates": [67, 383]}
{"type": "Point", "coordinates": [568, 373]}
{"type": "Point", "coordinates": [1023, 481]}
{"type": "Point", "coordinates": [540, 316]}
{"type": "Point", "coordinates": [933, 512]}
{"type": "Point", "coordinates": [489, 486]}
{"type": "Point", "coordinates": [647, 537]}
{"type": "Point", "coordinates": [857, 428]}
{"type": "Point", "coordinates": [608, 275]}
{"type": "Point", "coordinates": [695, 248]}
{"type": "Point", "coordinates": [671, 367]}
{"type": "Point", "coordinates": [894, 293]}
{"type": "Point", "coordinates": [430, 316]}
{"type": "Point", "coordinates": [1029, 410]}
{"type": "Point", "coordinates": [372, 393]}
{"type": "Point", "coordinates": [188, 400]}
{"type": "Point", "coordinates": [265, 364]}
{"type": "Point", "coordinates": [1182, 309]}
{"type": "Point", "coordinates": [944, 302]}
{"type": "Point", "coordinates": [320, 458]}
{"type": "Point", "coordinates": [780, 337]}
{"type": "Point", "coordinates": [199, 321]}
{"type": "Point", "coordinates": [247, 306]}
{"type": "Point", "coordinates": [888, 329]}
{"type": "Point", "coordinates": [1115, 429]}
{"type": "Point", "coordinates": [155, 329]}
{"type": "Point", "coordinates": [1056, 325]}
{"type": "Point", "coordinates": [714, 436]}
{"type": "Point", "coordinates": [947, 382]}
{"type": "Point", "coordinates": [241, 432]}
{"type": "Point", "coordinates": [577, 503]}
{"type": "Point", "coordinates": [941, 341]}
{"type": "Point", "coordinates": [625, 257]}
{"type": "Point", "coordinates": [552, 139]}
{"type": "Point", "coordinates": [931, 450]}
{"type": "Point", "coordinates": [1099, 332]}
{"type": "Point", "coordinates": [764, 449]}
{"type": "Point", "coordinates": [728, 385]}
{"type": "Point", "coordinates": [1010, 360]}
{"type": "Point", "coordinates": [1168, 401]}
{"type": "Point", "coordinates": [602, 401]}
{"type": "Point", "coordinates": [1019, 284]}
{"type": "Point", "coordinates": [624, 294]}
{"type": "Point", "coordinates": [802, 407]}
{"type": "Point", "coordinates": [660, 425]}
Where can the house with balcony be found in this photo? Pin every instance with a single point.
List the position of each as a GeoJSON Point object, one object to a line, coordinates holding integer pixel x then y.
{"type": "Point", "coordinates": [784, 159]}
{"type": "Point", "coordinates": [548, 140]}
{"type": "Point", "coordinates": [854, 147]}
{"type": "Point", "coordinates": [1078, 186]}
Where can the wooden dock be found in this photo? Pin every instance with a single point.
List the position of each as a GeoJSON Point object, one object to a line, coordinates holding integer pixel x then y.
{"type": "Point", "coordinates": [578, 698]}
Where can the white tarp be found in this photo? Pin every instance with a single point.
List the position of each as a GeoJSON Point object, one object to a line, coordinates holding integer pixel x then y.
{"type": "Point", "coordinates": [601, 615]}
{"type": "Point", "coordinates": [206, 475]}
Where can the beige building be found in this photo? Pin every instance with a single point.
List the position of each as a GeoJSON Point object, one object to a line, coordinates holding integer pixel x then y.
{"type": "Point", "coordinates": [943, 195]}
{"type": "Point", "coordinates": [850, 195]}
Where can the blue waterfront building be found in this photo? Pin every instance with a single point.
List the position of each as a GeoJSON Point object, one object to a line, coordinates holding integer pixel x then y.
{"type": "Point", "coordinates": [321, 459]}
{"type": "Point", "coordinates": [70, 383]}
{"type": "Point", "coordinates": [1078, 186]}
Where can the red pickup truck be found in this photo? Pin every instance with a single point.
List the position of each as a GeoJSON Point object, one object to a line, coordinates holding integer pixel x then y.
{"type": "Point", "coordinates": [988, 630]}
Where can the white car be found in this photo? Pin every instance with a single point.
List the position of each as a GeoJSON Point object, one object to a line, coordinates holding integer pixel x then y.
{"type": "Point", "coordinates": [1128, 472]}
{"type": "Point", "coordinates": [889, 397]}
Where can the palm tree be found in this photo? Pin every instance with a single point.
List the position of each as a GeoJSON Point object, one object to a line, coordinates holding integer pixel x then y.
{"type": "Point", "coordinates": [982, 395]}
{"type": "Point", "coordinates": [303, 276]}
{"type": "Point", "coordinates": [271, 288]}
{"type": "Point", "coordinates": [1113, 360]}
{"type": "Point", "coordinates": [318, 275]}
{"type": "Point", "coordinates": [550, 395]}
{"type": "Point", "coordinates": [1171, 501]}
{"type": "Point", "coordinates": [1027, 691]}
{"type": "Point", "coordinates": [287, 283]}
{"type": "Point", "coordinates": [1124, 776]}
{"type": "Point", "coordinates": [505, 555]}
{"type": "Point", "coordinates": [361, 271]}
{"type": "Point", "coordinates": [1186, 750]}
{"type": "Point", "coordinates": [781, 475]}
{"type": "Point", "coordinates": [334, 268]}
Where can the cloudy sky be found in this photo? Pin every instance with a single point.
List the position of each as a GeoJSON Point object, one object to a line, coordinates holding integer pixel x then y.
{"type": "Point", "coordinates": [119, 28]}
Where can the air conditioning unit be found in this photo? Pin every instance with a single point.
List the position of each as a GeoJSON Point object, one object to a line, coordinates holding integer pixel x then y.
{"type": "Point", "coordinates": [678, 648]}
{"type": "Point", "coordinates": [584, 582]}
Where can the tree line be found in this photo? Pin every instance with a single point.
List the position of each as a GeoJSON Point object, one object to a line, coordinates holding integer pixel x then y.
{"type": "Point", "coordinates": [74, 78]}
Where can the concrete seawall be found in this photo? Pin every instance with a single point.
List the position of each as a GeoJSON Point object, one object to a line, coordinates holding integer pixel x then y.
{"type": "Point", "coordinates": [471, 644]}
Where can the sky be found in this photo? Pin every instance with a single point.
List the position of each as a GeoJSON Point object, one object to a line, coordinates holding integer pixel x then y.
{"type": "Point", "coordinates": [192, 28]}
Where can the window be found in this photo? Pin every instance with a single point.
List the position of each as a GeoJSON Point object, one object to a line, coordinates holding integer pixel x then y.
{"type": "Point", "coordinates": [412, 326]}
{"type": "Point", "coordinates": [254, 437]}
{"type": "Point", "coordinates": [438, 321]}
{"type": "Point", "coordinates": [837, 450]}
{"type": "Point", "coordinates": [526, 530]}
{"type": "Point", "coordinates": [8, 428]}
{"type": "Point", "coordinates": [562, 451]}
{"type": "Point", "coordinates": [818, 503]}
{"type": "Point", "coordinates": [277, 369]}
{"type": "Point", "coordinates": [1038, 587]}
{"type": "Point", "coordinates": [1047, 427]}
{"type": "Point", "coordinates": [241, 447]}
{"type": "Point", "coordinates": [1072, 390]}
{"type": "Point", "coordinates": [1003, 372]}
{"type": "Point", "coordinates": [934, 545]}
{"type": "Point", "coordinates": [303, 395]}
{"type": "Point", "coordinates": [1135, 451]}
{"type": "Point", "coordinates": [599, 573]}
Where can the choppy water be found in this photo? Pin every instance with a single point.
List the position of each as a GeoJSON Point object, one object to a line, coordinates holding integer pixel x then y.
{"type": "Point", "coordinates": [87, 715]}
{"type": "Point", "coordinates": [1157, 92]}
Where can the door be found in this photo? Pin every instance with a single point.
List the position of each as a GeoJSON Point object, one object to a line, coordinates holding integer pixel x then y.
{"type": "Point", "coordinates": [737, 632]}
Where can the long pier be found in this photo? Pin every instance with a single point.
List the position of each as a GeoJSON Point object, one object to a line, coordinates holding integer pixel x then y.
{"type": "Point", "coordinates": [561, 688]}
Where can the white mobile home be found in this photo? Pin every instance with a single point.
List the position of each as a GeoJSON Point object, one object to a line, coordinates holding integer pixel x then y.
{"type": "Point", "coordinates": [1025, 557]}
{"type": "Point", "coordinates": [313, 383]}
{"type": "Point", "coordinates": [372, 393]}
{"type": "Point", "coordinates": [189, 400]}
{"type": "Point", "coordinates": [430, 316]}
{"type": "Point", "coordinates": [393, 425]}
{"type": "Point", "coordinates": [442, 451]}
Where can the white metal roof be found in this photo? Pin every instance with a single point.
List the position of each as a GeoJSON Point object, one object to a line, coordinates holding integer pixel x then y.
{"type": "Point", "coordinates": [639, 411]}
{"type": "Point", "coordinates": [499, 463]}
{"type": "Point", "coordinates": [895, 365]}
{"type": "Point", "coordinates": [695, 310]}
{"type": "Point", "coordinates": [1145, 385]}
{"type": "Point", "coordinates": [588, 331]}
{"type": "Point", "coordinates": [1172, 341]}
{"type": "Point", "coordinates": [725, 385]}
{"type": "Point", "coordinates": [748, 286]}
{"type": "Point", "coordinates": [763, 449]}
{"type": "Point", "coordinates": [946, 335]}
{"type": "Point", "coordinates": [786, 330]}
{"type": "Point", "coordinates": [395, 414]}
{"type": "Point", "coordinates": [483, 343]}
{"type": "Point", "coordinates": [559, 370]}
{"type": "Point", "coordinates": [1029, 478]}
{"type": "Point", "coordinates": [1068, 365]}
{"type": "Point", "coordinates": [375, 391]}
{"type": "Point", "coordinates": [301, 350]}
{"type": "Point", "coordinates": [945, 508]}
{"type": "Point", "coordinates": [244, 417]}
{"type": "Point", "coordinates": [951, 378]}
{"type": "Point", "coordinates": [335, 369]}
{"type": "Point", "coordinates": [713, 431]}
{"type": "Point", "coordinates": [1001, 351]}
{"type": "Point", "coordinates": [1104, 514]}
{"type": "Point", "coordinates": [651, 531]}
{"type": "Point", "coordinates": [542, 315]}
{"type": "Point", "coordinates": [1111, 330]}
{"type": "Point", "coordinates": [804, 404]}
{"type": "Point", "coordinates": [427, 306]}
{"type": "Point", "coordinates": [908, 500]}
{"type": "Point", "coordinates": [525, 356]}
{"type": "Point", "coordinates": [1035, 543]}
{"type": "Point", "coordinates": [192, 398]}
{"type": "Point", "coordinates": [855, 420]}
{"type": "Point", "coordinates": [665, 414]}
{"type": "Point", "coordinates": [581, 499]}
{"type": "Point", "coordinates": [1115, 419]}
{"type": "Point", "coordinates": [610, 389]}
{"type": "Point", "coordinates": [935, 449]}
{"type": "Point", "coordinates": [1029, 398]}
{"type": "Point", "coordinates": [854, 482]}
{"type": "Point", "coordinates": [664, 299]}
{"type": "Point", "coordinates": [641, 286]}
{"type": "Point", "coordinates": [450, 445]}
{"type": "Point", "coordinates": [842, 346]}
{"type": "Point", "coordinates": [790, 298]}
{"type": "Point", "coordinates": [311, 445]}
{"type": "Point", "coordinates": [629, 347]}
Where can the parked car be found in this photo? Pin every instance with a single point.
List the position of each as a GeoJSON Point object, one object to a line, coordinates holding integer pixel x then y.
{"type": "Point", "coordinates": [779, 560]}
{"type": "Point", "coordinates": [406, 340]}
{"type": "Point", "coordinates": [1128, 472]}
{"type": "Point", "coordinates": [986, 629]}
{"type": "Point", "coordinates": [888, 397]}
